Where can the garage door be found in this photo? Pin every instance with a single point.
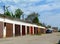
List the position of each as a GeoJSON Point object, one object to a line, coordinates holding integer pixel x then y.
{"type": "Point", "coordinates": [17, 30]}
{"type": "Point", "coordinates": [31, 30]}
{"type": "Point", "coordinates": [27, 29]}
{"type": "Point", "coordinates": [1, 29]}
{"type": "Point", "coordinates": [23, 30]}
{"type": "Point", "coordinates": [35, 30]}
{"type": "Point", "coordinates": [9, 30]}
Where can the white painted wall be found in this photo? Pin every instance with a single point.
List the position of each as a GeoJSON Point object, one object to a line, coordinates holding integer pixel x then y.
{"type": "Point", "coordinates": [21, 29]}
{"type": "Point", "coordinates": [4, 32]}
{"type": "Point", "coordinates": [26, 30]}
{"type": "Point", "coordinates": [13, 29]}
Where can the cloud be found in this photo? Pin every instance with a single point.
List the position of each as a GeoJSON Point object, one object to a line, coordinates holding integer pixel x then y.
{"type": "Point", "coordinates": [16, 1]}
{"type": "Point", "coordinates": [0, 1]}
{"type": "Point", "coordinates": [30, 1]}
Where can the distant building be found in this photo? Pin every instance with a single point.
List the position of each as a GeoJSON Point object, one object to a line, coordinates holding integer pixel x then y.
{"type": "Point", "coordinates": [55, 29]}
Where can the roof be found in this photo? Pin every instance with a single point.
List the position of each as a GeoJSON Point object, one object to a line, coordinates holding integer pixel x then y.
{"type": "Point", "coordinates": [41, 27]}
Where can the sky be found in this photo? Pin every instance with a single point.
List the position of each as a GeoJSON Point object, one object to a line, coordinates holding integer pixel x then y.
{"type": "Point", "coordinates": [49, 10]}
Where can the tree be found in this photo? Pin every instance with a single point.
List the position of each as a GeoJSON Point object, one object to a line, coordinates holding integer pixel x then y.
{"type": "Point", "coordinates": [12, 15]}
{"type": "Point", "coordinates": [48, 26]}
{"type": "Point", "coordinates": [32, 16]}
{"type": "Point", "coordinates": [43, 24]}
{"type": "Point", "coordinates": [18, 13]}
{"type": "Point", "coordinates": [7, 12]}
{"type": "Point", "coordinates": [35, 20]}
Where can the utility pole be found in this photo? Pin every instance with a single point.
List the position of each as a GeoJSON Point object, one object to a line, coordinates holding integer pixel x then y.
{"type": "Point", "coordinates": [4, 9]}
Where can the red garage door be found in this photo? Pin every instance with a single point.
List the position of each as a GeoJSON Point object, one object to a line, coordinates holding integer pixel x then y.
{"type": "Point", "coordinates": [9, 30]}
{"type": "Point", "coordinates": [23, 30]}
{"type": "Point", "coordinates": [31, 30]}
{"type": "Point", "coordinates": [17, 30]}
{"type": "Point", "coordinates": [1, 29]}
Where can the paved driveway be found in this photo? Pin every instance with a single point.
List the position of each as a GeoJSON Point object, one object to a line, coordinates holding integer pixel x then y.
{"type": "Point", "coordinates": [34, 39]}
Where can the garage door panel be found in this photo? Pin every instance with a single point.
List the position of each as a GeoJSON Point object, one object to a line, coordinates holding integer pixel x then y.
{"type": "Point", "coordinates": [27, 29]}
{"type": "Point", "coordinates": [23, 30]}
{"type": "Point", "coordinates": [31, 30]}
{"type": "Point", "coordinates": [35, 30]}
{"type": "Point", "coordinates": [17, 30]}
{"type": "Point", "coordinates": [9, 30]}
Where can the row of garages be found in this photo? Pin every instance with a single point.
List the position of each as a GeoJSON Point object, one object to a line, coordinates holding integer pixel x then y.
{"type": "Point", "coordinates": [10, 30]}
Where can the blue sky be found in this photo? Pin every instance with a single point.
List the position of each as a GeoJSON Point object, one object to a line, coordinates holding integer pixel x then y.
{"type": "Point", "coordinates": [49, 10]}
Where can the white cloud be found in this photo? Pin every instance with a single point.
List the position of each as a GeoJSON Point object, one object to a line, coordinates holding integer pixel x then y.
{"type": "Point", "coordinates": [16, 1]}
{"type": "Point", "coordinates": [42, 8]}
{"type": "Point", "coordinates": [0, 1]}
{"type": "Point", "coordinates": [35, 0]}
{"type": "Point", "coordinates": [31, 0]}
{"type": "Point", "coordinates": [3, 0]}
